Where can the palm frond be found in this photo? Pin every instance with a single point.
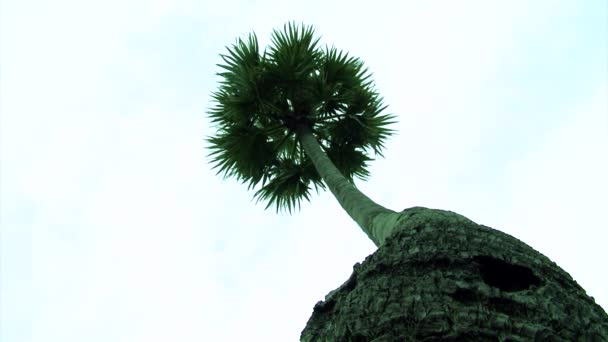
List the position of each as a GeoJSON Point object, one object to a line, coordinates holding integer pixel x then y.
{"type": "Point", "coordinates": [350, 160]}
{"type": "Point", "coordinates": [294, 52]}
{"type": "Point", "coordinates": [286, 189]}
{"type": "Point", "coordinates": [241, 152]}
{"type": "Point", "coordinates": [263, 97]}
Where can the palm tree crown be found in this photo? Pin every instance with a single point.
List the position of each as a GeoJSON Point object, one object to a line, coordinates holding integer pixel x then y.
{"type": "Point", "coordinates": [264, 99]}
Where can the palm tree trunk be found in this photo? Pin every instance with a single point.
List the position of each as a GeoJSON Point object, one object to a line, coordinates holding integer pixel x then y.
{"type": "Point", "coordinates": [442, 277]}
{"type": "Point", "coordinates": [375, 220]}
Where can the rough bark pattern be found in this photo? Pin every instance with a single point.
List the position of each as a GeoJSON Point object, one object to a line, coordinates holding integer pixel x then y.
{"type": "Point", "coordinates": [441, 277]}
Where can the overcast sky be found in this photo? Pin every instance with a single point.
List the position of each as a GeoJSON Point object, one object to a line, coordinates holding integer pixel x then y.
{"type": "Point", "coordinates": [115, 228]}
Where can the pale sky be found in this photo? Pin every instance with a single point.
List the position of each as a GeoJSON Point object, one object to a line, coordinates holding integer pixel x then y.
{"type": "Point", "coordinates": [115, 228]}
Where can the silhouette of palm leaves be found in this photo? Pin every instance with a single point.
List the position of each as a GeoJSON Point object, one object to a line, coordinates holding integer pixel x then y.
{"type": "Point", "coordinates": [264, 97]}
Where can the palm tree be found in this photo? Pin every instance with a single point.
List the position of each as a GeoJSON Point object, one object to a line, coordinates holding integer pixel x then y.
{"type": "Point", "coordinates": [298, 116]}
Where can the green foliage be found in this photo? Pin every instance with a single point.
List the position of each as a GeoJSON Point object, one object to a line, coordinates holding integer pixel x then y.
{"type": "Point", "coordinates": [264, 98]}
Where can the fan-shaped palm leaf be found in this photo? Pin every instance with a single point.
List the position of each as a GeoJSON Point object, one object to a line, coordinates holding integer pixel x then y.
{"type": "Point", "coordinates": [265, 98]}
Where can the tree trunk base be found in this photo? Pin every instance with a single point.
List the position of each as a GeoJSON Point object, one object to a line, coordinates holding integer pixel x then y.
{"type": "Point", "coordinates": [442, 277]}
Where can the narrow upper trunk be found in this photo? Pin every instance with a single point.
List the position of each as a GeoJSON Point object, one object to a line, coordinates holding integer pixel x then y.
{"type": "Point", "coordinates": [375, 220]}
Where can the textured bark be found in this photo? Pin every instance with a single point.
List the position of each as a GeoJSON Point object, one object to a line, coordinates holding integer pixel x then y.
{"type": "Point", "coordinates": [441, 277]}
{"type": "Point", "coordinates": [375, 220]}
